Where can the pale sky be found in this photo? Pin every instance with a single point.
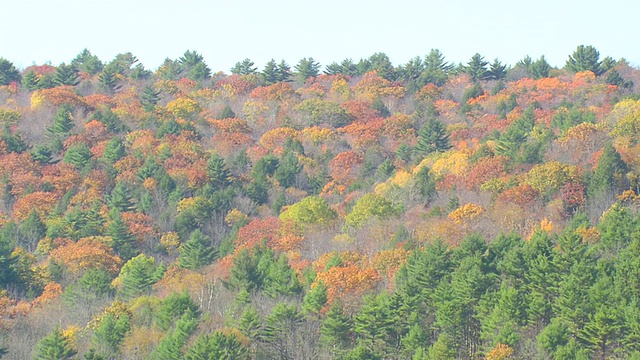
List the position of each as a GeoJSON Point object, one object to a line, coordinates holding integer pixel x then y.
{"type": "Point", "coordinates": [226, 32]}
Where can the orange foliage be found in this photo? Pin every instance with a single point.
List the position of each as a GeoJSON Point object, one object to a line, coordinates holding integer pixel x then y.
{"type": "Point", "coordinates": [51, 291]}
{"type": "Point", "coordinates": [347, 280]}
{"type": "Point", "coordinates": [388, 262]}
{"type": "Point", "coordinates": [372, 86]}
{"type": "Point", "coordinates": [523, 195]}
{"type": "Point", "coordinates": [40, 201]}
{"type": "Point", "coordinates": [141, 226]}
{"type": "Point", "coordinates": [97, 100]}
{"type": "Point", "coordinates": [344, 167]}
{"type": "Point", "coordinates": [277, 137]}
{"type": "Point", "coordinates": [177, 279]}
{"type": "Point", "coordinates": [361, 110]}
{"type": "Point", "coordinates": [257, 231]}
{"type": "Point", "coordinates": [236, 84]}
{"type": "Point", "coordinates": [63, 94]}
{"type": "Point", "coordinates": [231, 125]}
{"type": "Point", "coordinates": [485, 169]}
{"type": "Point", "coordinates": [500, 352]}
{"type": "Point", "coordinates": [90, 252]}
{"type": "Point", "coordinates": [276, 92]}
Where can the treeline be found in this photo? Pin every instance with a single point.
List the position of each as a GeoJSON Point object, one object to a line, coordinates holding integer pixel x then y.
{"type": "Point", "coordinates": [421, 211]}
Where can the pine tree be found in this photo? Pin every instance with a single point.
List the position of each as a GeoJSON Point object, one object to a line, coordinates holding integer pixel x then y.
{"type": "Point", "coordinates": [78, 155]}
{"type": "Point", "coordinates": [287, 170]}
{"type": "Point", "coordinates": [284, 72]}
{"type": "Point", "coordinates": [315, 299]}
{"type": "Point", "coordinates": [30, 81]}
{"type": "Point", "coordinates": [196, 252]}
{"type": "Point", "coordinates": [280, 327]}
{"type": "Point", "coordinates": [121, 198]}
{"type": "Point", "coordinates": [218, 173]}
{"type": "Point", "coordinates": [114, 151]}
{"type": "Point", "coordinates": [609, 172]}
{"type": "Point", "coordinates": [584, 58]}
{"type": "Point", "coordinates": [306, 68]}
{"type": "Point", "coordinates": [8, 72]}
{"type": "Point", "coordinates": [436, 69]}
{"type": "Point", "coordinates": [497, 71]}
{"type": "Point", "coordinates": [123, 241]}
{"type": "Point", "coordinates": [226, 113]}
{"type": "Point", "coordinates": [138, 275]}
{"type": "Point", "coordinates": [270, 73]}
{"type": "Point", "coordinates": [540, 68]}
{"type": "Point", "coordinates": [62, 122]}
{"type": "Point", "coordinates": [172, 344]}
{"type": "Point", "coordinates": [432, 137]}
{"type": "Point", "coordinates": [66, 75]}
{"type": "Point", "coordinates": [54, 347]}
{"type": "Point", "coordinates": [149, 97]}
{"type": "Point", "coordinates": [335, 328]}
{"type": "Point", "coordinates": [108, 81]}
{"type": "Point", "coordinates": [477, 68]}
{"type": "Point", "coordinates": [245, 67]}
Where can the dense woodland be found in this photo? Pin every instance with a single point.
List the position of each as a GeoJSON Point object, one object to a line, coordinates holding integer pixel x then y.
{"type": "Point", "coordinates": [359, 210]}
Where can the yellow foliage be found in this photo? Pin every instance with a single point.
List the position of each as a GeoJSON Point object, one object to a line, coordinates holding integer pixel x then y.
{"type": "Point", "coordinates": [186, 203]}
{"type": "Point", "coordinates": [500, 352]}
{"type": "Point", "coordinates": [235, 216]}
{"type": "Point", "coordinates": [183, 107]}
{"type": "Point", "coordinates": [340, 89]}
{"type": "Point", "coordinates": [465, 212]}
{"type": "Point", "coordinates": [37, 99]}
{"type": "Point", "coordinates": [71, 334]}
{"type": "Point", "coordinates": [549, 177]}
{"type": "Point", "coordinates": [401, 178]}
{"type": "Point", "coordinates": [455, 163]}
{"type": "Point", "coordinates": [254, 110]}
{"type": "Point", "coordinates": [170, 241]}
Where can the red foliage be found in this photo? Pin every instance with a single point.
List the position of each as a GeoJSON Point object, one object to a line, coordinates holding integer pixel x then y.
{"type": "Point", "coordinates": [257, 231]}
{"type": "Point", "coordinates": [344, 167]}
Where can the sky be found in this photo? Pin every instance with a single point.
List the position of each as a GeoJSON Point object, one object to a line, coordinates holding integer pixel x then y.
{"type": "Point", "coordinates": [226, 32]}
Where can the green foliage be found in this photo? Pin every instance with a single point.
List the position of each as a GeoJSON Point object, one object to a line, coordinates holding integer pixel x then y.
{"type": "Point", "coordinates": [306, 67]}
{"type": "Point", "coordinates": [121, 198]}
{"type": "Point", "coordinates": [609, 172]}
{"type": "Point", "coordinates": [62, 122]}
{"type": "Point", "coordinates": [218, 346]}
{"type": "Point", "coordinates": [217, 171]}
{"type": "Point", "coordinates": [371, 205]}
{"type": "Point", "coordinates": [244, 67]}
{"type": "Point", "coordinates": [585, 58]}
{"type": "Point", "coordinates": [318, 112]}
{"type": "Point", "coordinates": [196, 252]}
{"type": "Point", "coordinates": [432, 137]}
{"type": "Point", "coordinates": [311, 210]}
{"type": "Point", "coordinates": [87, 62]}
{"type": "Point", "coordinates": [78, 155]}
{"type": "Point", "coordinates": [138, 275]}
{"type": "Point", "coordinates": [173, 307]}
{"type": "Point", "coordinates": [66, 75]}
{"type": "Point", "coordinates": [54, 347]}
{"type": "Point", "coordinates": [172, 344]}
{"type": "Point", "coordinates": [30, 81]}
{"type": "Point", "coordinates": [8, 72]}
{"type": "Point", "coordinates": [477, 68]}
{"type": "Point", "coordinates": [111, 331]}
{"type": "Point", "coordinates": [540, 68]}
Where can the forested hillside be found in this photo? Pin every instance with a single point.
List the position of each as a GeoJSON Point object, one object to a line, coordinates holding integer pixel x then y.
{"type": "Point", "coordinates": [357, 210]}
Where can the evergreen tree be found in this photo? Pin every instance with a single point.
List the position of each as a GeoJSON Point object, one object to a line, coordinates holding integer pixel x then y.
{"type": "Point", "coordinates": [218, 173]}
{"type": "Point", "coordinates": [149, 97]}
{"type": "Point", "coordinates": [432, 137]}
{"type": "Point", "coordinates": [196, 252]}
{"type": "Point", "coordinates": [540, 68]}
{"type": "Point", "coordinates": [54, 347]}
{"type": "Point", "coordinates": [226, 113]}
{"type": "Point", "coordinates": [30, 81]}
{"type": "Point", "coordinates": [585, 58]}
{"type": "Point", "coordinates": [280, 327]}
{"type": "Point", "coordinates": [123, 241]}
{"type": "Point", "coordinates": [270, 73]}
{"type": "Point", "coordinates": [477, 68]}
{"type": "Point", "coordinates": [280, 279]}
{"type": "Point", "coordinates": [306, 68]}
{"type": "Point", "coordinates": [315, 299]}
{"type": "Point", "coordinates": [609, 172]}
{"type": "Point", "coordinates": [218, 346]}
{"type": "Point", "coordinates": [172, 307]}
{"type": "Point", "coordinates": [8, 259]}
{"type": "Point", "coordinates": [287, 170]}
{"type": "Point", "coordinates": [8, 72]}
{"type": "Point", "coordinates": [436, 69]}
{"type": "Point", "coordinates": [113, 151]}
{"type": "Point", "coordinates": [284, 71]}
{"type": "Point", "coordinates": [62, 122]}
{"type": "Point", "coordinates": [78, 155]}
{"type": "Point", "coordinates": [121, 198]}
{"type": "Point", "coordinates": [138, 275]}
{"type": "Point", "coordinates": [172, 344]}
{"type": "Point", "coordinates": [244, 67]}
{"type": "Point", "coordinates": [381, 63]}
{"type": "Point", "coordinates": [497, 71]}
{"type": "Point", "coordinates": [66, 75]}
{"type": "Point", "coordinates": [87, 63]}
{"type": "Point", "coordinates": [108, 81]}
{"type": "Point", "coordinates": [111, 331]}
